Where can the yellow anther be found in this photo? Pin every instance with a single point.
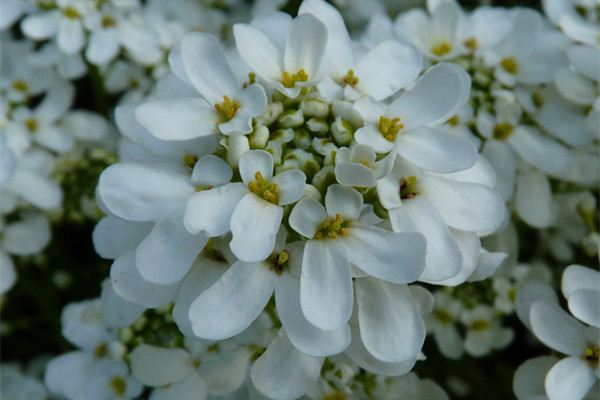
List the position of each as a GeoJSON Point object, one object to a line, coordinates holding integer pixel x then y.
{"type": "Point", "coordinates": [101, 351]}
{"type": "Point", "coordinates": [278, 262]}
{"type": "Point", "coordinates": [20, 85]}
{"type": "Point", "coordinates": [134, 83]}
{"type": "Point", "coordinates": [190, 160]}
{"type": "Point", "coordinates": [108, 21]}
{"type": "Point", "coordinates": [503, 130]}
{"type": "Point", "coordinates": [537, 99]}
{"type": "Point", "coordinates": [389, 128]}
{"type": "Point", "coordinates": [289, 80]}
{"type": "Point", "coordinates": [591, 354]}
{"type": "Point", "coordinates": [512, 294]}
{"type": "Point", "coordinates": [471, 43]}
{"type": "Point", "coordinates": [118, 385]}
{"type": "Point", "coordinates": [332, 228]}
{"type": "Point", "coordinates": [441, 49]}
{"type": "Point", "coordinates": [251, 80]}
{"type": "Point", "coordinates": [443, 316]}
{"type": "Point", "coordinates": [510, 65]}
{"type": "Point", "coordinates": [337, 395]}
{"type": "Point", "coordinates": [31, 124]}
{"type": "Point", "coordinates": [350, 79]}
{"type": "Point", "coordinates": [408, 188]}
{"type": "Point", "coordinates": [480, 325]}
{"type": "Point", "coordinates": [454, 121]}
{"type": "Point", "coordinates": [264, 189]}
{"type": "Point", "coordinates": [202, 188]}
{"type": "Point", "coordinates": [71, 12]}
{"type": "Point", "coordinates": [227, 108]}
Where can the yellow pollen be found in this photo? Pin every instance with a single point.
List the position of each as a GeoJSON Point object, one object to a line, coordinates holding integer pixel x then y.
{"type": "Point", "coordinates": [332, 228]}
{"type": "Point", "coordinates": [591, 354]}
{"type": "Point", "coordinates": [118, 385]}
{"type": "Point", "coordinates": [471, 43]}
{"type": "Point", "coordinates": [389, 128]}
{"type": "Point", "coordinates": [289, 80]}
{"type": "Point", "coordinates": [537, 99]}
{"type": "Point", "coordinates": [278, 262]}
{"type": "Point", "coordinates": [227, 108]}
{"type": "Point", "coordinates": [480, 325]}
{"type": "Point", "coordinates": [510, 65]}
{"type": "Point", "coordinates": [20, 85]}
{"type": "Point", "coordinates": [503, 130]}
{"type": "Point", "coordinates": [408, 188]}
{"type": "Point", "coordinates": [71, 12]}
{"type": "Point", "coordinates": [335, 396]}
{"type": "Point", "coordinates": [264, 189]}
{"type": "Point", "coordinates": [443, 316]}
{"type": "Point", "coordinates": [31, 124]}
{"type": "Point", "coordinates": [454, 121]}
{"type": "Point", "coordinates": [512, 294]}
{"type": "Point", "coordinates": [251, 80]}
{"type": "Point", "coordinates": [108, 21]}
{"type": "Point", "coordinates": [350, 79]}
{"type": "Point", "coordinates": [190, 160]}
{"type": "Point", "coordinates": [441, 49]}
{"type": "Point", "coordinates": [101, 351]}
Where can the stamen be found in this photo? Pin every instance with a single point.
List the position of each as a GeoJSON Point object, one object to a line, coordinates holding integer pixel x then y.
{"type": "Point", "coordinates": [264, 189]}
{"type": "Point", "coordinates": [71, 12]}
{"type": "Point", "coordinates": [289, 80]}
{"type": "Point", "coordinates": [503, 130]}
{"type": "Point", "coordinates": [227, 109]}
{"type": "Point", "coordinates": [389, 128]}
{"type": "Point", "coordinates": [408, 188]}
{"type": "Point", "coordinates": [332, 228]}
{"type": "Point", "coordinates": [441, 49]}
{"type": "Point", "coordinates": [118, 385]}
{"type": "Point", "coordinates": [480, 325]}
{"type": "Point", "coordinates": [350, 79]}
{"type": "Point", "coordinates": [471, 43]}
{"type": "Point", "coordinates": [510, 65]}
{"type": "Point", "coordinates": [278, 262]}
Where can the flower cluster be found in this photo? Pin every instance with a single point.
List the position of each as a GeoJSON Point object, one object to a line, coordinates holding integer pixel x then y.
{"type": "Point", "coordinates": [290, 206]}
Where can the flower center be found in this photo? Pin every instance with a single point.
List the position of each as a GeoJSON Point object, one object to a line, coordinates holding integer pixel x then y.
{"type": "Point", "coordinates": [278, 262]}
{"type": "Point", "coordinates": [443, 316]}
{"type": "Point", "coordinates": [408, 188]}
{"type": "Point", "coordinates": [264, 189]}
{"type": "Point", "coordinates": [350, 79]}
{"type": "Point", "coordinates": [389, 128]}
{"type": "Point", "coordinates": [441, 49]}
{"type": "Point", "coordinates": [510, 65]}
{"type": "Point", "coordinates": [20, 85]}
{"type": "Point", "coordinates": [454, 121]}
{"type": "Point", "coordinates": [591, 354]}
{"type": "Point", "coordinates": [471, 43]}
{"type": "Point", "coordinates": [289, 80]}
{"type": "Point", "coordinates": [503, 130]}
{"type": "Point", "coordinates": [480, 325]}
{"type": "Point", "coordinates": [71, 12]}
{"type": "Point", "coordinates": [118, 385]}
{"type": "Point", "coordinates": [108, 21]}
{"type": "Point", "coordinates": [331, 228]}
{"type": "Point", "coordinates": [31, 124]}
{"type": "Point", "coordinates": [101, 351]}
{"type": "Point", "coordinates": [337, 395]}
{"type": "Point", "coordinates": [227, 109]}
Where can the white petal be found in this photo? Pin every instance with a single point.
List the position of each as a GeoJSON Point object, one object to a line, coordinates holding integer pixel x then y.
{"type": "Point", "coordinates": [325, 285]}
{"type": "Point", "coordinates": [254, 225]}
{"type": "Point", "coordinates": [113, 236]}
{"type": "Point", "coordinates": [177, 119]}
{"type": "Point", "coordinates": [168, 251]}
{"type": "Point", "coordinates": [66, 374]}
{"type": "Point", "coordinates": [530, 292]}
{"type": "Point", "coordinates": [226, 372]}
{"type": "Point", "coordinates": [354, 174]}
{"type": "Point", "coordinates": [533, 199]}
{"type": "Point", "coordinates": [129, 284]}
{"type": "Point", "coordinates": [344, 201]}
{"type": "Point", "coordinates": [8, 274]}
{"type": "Point", "coordinates": [207, 67]}
{"type": "Point", "coordinates": [391, 326]}
{"type": "Point", "coordinates": [388, 67]}
{"type": "Point", "coordinates": [577, 277]}
{"type": "Point", "coordinates": [503, 159]}
{"type": "Point", "coordinates": [529, 377]}
{"type": "Point", "coordinates": [27, 236]}
{"type": "Point", "coordinates": [369, 134]}
{"type": "Point", "coordinates": [306, 337]}
{"type": "Point", "coordinates": [210, 210]}
{"type": "Point", "coordinates": [40, 26]}
{"type": "Point", "coordinates": [438, 95]}
{"type": "Point", "coordinates": [211, 170]}
{"type": "Point", "coordinates": [540, 151]}
{"type": "Point", "coordinates": [141, 193]}
{"type": "Point", "coordinates": [391, 256]}
{"type": "Point", "coordinates": [557, 329]}
{"type": "Point", "coordinates": [191, 388]}
{"type": "Point", "coordinates": [157, 366]}
{"type": "Point", "coordinates": [306, 216]}
{"type": "Point", "coordinates": [233, 302]}
{"type": "Point", "coordinates": [282, 372]}
{"type": "Point", "coordinates": [103, 46]}
{"type": "Point", "coordinates": [465, 206]}
{"type": "Point", "coordinates": [443, 259]}
{"type": "Point", "coordinates": [585, 60]}
{"type": "Point", "coordinates": [571, 378]}
{"type": "Point", "coordinates": [291, 186]}
{"type": "Point", "coordinates": [436, 150]}
{"type": "Point", "coordinates": [116, 311]}
{"type": "Point", "coordinates": [38, 190]}
{"type": "Point", "coordinates": [564, 122]}
{"type": "Point", "coordinates": [258, 51]}
{"type": "Point", "coordinates": [71, 37]}
{"type": "Point", "coordinates": [584, 304]}
{"type": "Point", "coordinates": [305, 47]}
{"type": "Point", "coordinates": [254, 161]}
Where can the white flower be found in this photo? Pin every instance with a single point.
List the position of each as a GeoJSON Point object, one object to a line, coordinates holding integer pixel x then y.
{"type": "Point", "coordinates": [581, 287]}
{"type": "Point", "coordinates": [17, 385]}
{"type": "Point", "coordinates": [251, 209]}
{"type": "Point", "coordinates": [337, 238]}
{"type": "Point", "coordinates": [407, 125]}
{"type": "Point", "coordinates": [288, 68]}
{"type": "Point", "coordinates": [484, 332]}
{"type": "Point", "coordinates": [225, 104]}
{"type": "Point", "coordinates": [442, 323]}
